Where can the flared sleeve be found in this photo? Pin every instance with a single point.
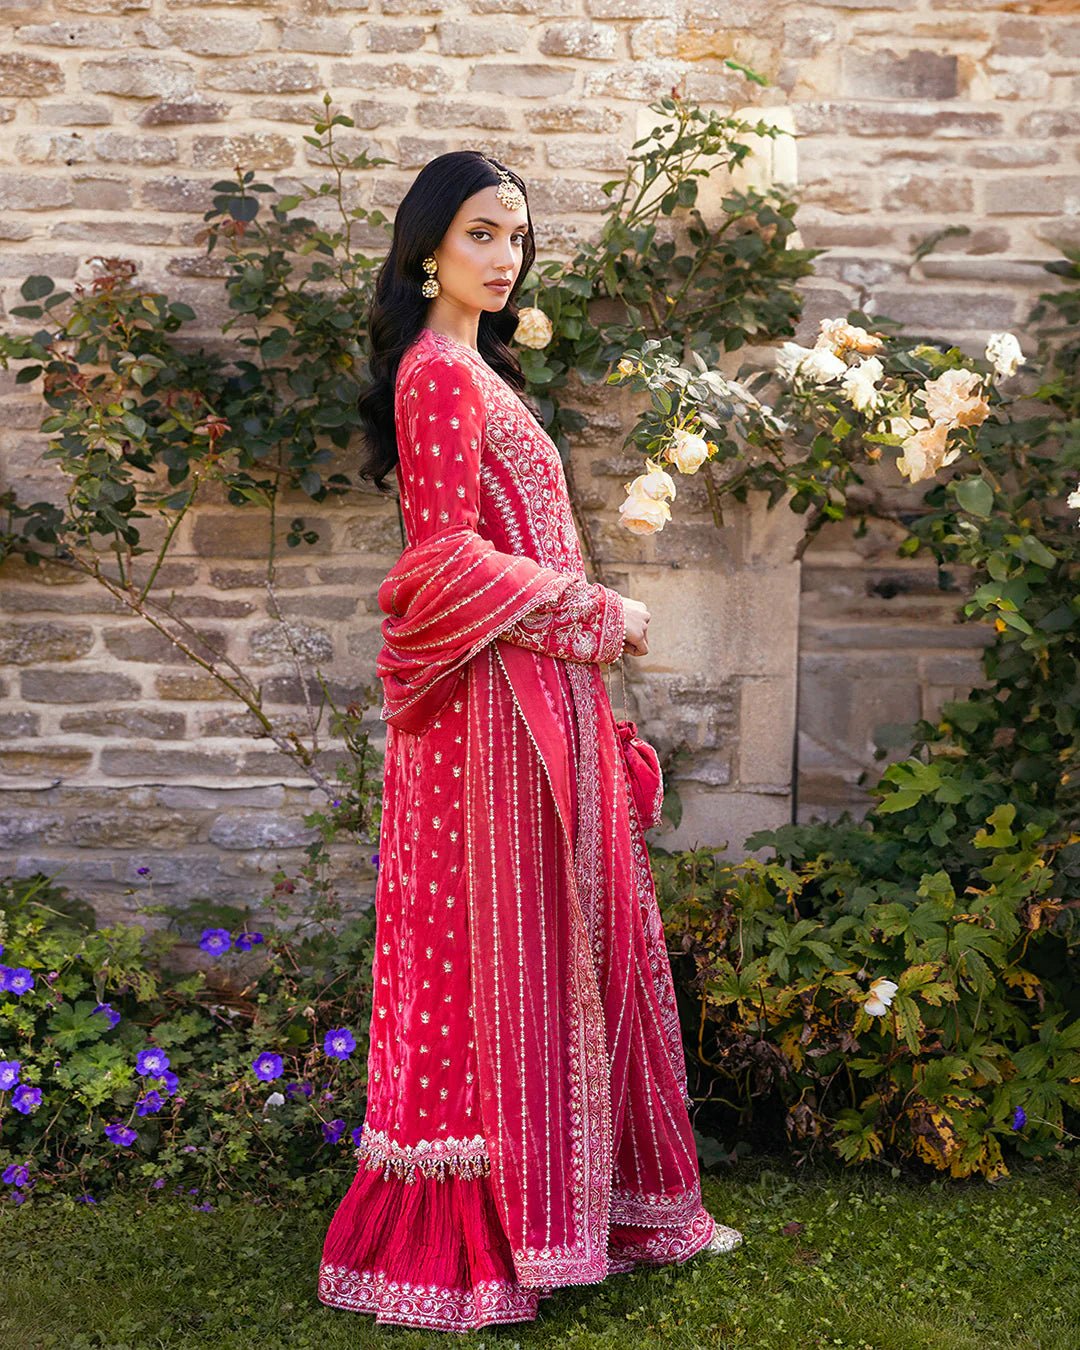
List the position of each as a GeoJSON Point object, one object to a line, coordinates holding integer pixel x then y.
{"type": "Point", "coordinates": [443, 421]}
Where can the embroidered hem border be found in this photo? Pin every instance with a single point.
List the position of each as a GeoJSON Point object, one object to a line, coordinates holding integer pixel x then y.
{"type": "Point", "coordinates": [441, 1308]}
{"type": "Point", "coordinates": [430, 1158]}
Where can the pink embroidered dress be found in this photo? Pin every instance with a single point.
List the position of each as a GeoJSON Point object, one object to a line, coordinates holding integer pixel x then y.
{"type": "Point", "coordinates": [526, 1122]}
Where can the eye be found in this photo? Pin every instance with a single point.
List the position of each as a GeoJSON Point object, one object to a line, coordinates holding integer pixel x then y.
{"type": "Point", "coordinates": [474, 233]}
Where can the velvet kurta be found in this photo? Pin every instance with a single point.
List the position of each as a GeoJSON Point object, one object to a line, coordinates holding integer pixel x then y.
{"type": "Point", "coordinates": [526, 1121]}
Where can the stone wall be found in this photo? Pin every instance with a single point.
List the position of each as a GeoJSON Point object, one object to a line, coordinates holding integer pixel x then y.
{"type": "Point", "coordinates": [117, 115]}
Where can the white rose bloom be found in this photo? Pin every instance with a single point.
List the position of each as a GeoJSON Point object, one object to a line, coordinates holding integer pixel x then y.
{"type": "Point", "coordinates": [822, 366]}
{"type": "Point", "coordinates": [1004, 353]}
{"type": "Point", "coordinates": [644, 515]}
{"type": "Point", "coordinates": [687, 451]}
{"type": "Point", "coordinates": [860, 384]}
{"type": "Point", "coordinates": [880, 996]}
{"type": "Point", "coordinates": [655, 483]}
{"type": "Point", "coordinates": [1073, 500]}
{"type": "Point", "coordinates": [534, 328]}
{"type": "Point", "coordinates": [788, 357]}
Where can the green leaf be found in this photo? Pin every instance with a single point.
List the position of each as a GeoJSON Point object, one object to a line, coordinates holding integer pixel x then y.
{"type": "Point", "coordinates": [976, 496]}
{"type": "Point", "coordinates": [36, 288]}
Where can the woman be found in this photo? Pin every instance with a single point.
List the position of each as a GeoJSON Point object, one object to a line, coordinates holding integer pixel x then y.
{"type": "Point", "coordinates": [526, 1123]}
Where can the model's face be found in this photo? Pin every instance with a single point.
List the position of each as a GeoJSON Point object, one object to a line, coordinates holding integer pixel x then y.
{"type": "Point", "coordinates": [484, 244]}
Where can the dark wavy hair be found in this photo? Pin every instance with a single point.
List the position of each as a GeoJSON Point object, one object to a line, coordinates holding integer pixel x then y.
{"type": "Point", "coordinates": [398, 310]}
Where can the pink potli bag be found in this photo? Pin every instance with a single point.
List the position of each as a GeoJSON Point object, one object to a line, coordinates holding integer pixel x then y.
{"type": "Point", "coordinates": [642, 766]}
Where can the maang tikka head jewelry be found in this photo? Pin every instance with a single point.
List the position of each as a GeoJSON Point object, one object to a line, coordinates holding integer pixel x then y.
{"type": "Point", "coordinates": [430, 289]}
{"type": "Point", "coordinates": [508, 191]}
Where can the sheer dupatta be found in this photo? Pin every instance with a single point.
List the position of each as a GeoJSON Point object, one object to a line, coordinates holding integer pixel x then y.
{"type": "Point", "coordinates": [579, 1054]}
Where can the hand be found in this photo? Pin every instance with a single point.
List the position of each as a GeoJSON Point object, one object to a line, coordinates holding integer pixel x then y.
{"type": "Point", "coordinates": [637, 627]}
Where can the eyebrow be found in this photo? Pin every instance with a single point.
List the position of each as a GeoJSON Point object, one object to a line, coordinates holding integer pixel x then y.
{"type": "Point", "coordinates": [483, 220]}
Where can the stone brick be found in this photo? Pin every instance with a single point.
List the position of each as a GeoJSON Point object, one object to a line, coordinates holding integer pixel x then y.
{"type": "Point", "coordinates": [23, 265]}
{"type": "Point", "coordinates": [556, 197]}
{"type": "Point", "coordinates": [643, 81]}
{"type": "Point", "coordinates": [205, 36]}
{"type": "Point", "coordinates": [1051, 122]}
{"type": "Point", "coordinates": [138, 77]}
{"type": "Point", "coordinates": [235, 578]}
{"type": "Point", "coordinates": [317, 35]}
{"type": "Point", "coordinates": [419, 78]}
{"type": "Point", "coordinates": [524, 81]}
{"type": "Point", "coordinates": [257, 150]}
{"type": "Point", "coordinates": [30, 643]}
{"type": "Point", "coordinates": [178, 194]}
{"type": "Point", "coordinates": [49, 762]}
{"type": "Point", "coordinates": [189, 687]}
{"type": "Point", "coordinates": [24, 76]}
{"type": "Point", "coordinates": [586, 154]}
{"type": "Point", "coordinates": [1032, 196]}
{"type": "Point", "coordinates": [76, 686]}
{"type": "Point", "coordinates": [147, 644]}
{"type": "Point", "coordinates": [99, 193]}
{"type": "Point", "coordinates": [16, 725]}
{"type": "Point", "coordinates": [183, 112]}
{"type": "Point", "coordinates": [576, 117]}
{"type": "Point", "coordinates": [892, 120]}
{"type": "Point", "coordinates": [264, 77]}
{"type": "Point", "coordinates": [77, 36]}
{"type": "Point", "coordinates": [888, 74]}
{"type": "Point", "coordinates": [275, 642]}
{"type": "Point", "coordinates": [440, 114]}
{"type": "Point", "coordinates": [415, 151]}
{"type": "Point", "coordinates": [591, 41]}
{"type": "Point", "coordinates": [383, 37]}
{"type": "Point", "coordinates": [164, 764]}
{"type": "Point", "coordinates": [106, 6]}
{"type": "Point", "coordinates": [126, 722]}
{"type": "Point", "coordinates": [74, 115]}
{"type": "Point", "coordinates": [927, 192]}
{"type": "Point", "coordinates": [114, 146]}
{"type": "Point", "coordinates": [23, 192]}
{"type": "Point", "coordinates": [260, 830]}
{"type": "Point", "coordinates": [53, 148]}
{"type": "Point", "coordinates": [480, 37]}
{"type": "Point", "coordinates": [655, 37]}
{"type": "Point", "coordinates": [634, 9]}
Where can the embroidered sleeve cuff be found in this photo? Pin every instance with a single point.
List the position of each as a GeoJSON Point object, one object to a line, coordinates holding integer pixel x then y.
{"type": "Point", "coordinates": [613, 634]}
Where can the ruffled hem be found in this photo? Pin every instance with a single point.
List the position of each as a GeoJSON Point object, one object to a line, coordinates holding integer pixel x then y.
{"type": "Point", "coordinates": [431, 1253]}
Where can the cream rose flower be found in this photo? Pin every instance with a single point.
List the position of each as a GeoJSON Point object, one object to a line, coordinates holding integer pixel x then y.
{"type": "Point", "coordinates": [879, 996]}
{"type": "Point", "coordinates": [1073, 500]}
{"type": "Point", "coordinates": [655, 482]}
{"type": "Point", "coordinates": [860, 384]}
{"type": "Point", "coordinates": [534, 328]}
{"type": "Point", "coordinates": [626, 366]}
{"type": "Point", "coordinates": [925, 452]}
{"type": "Point", "coordinates": [956, 398]}
{"type": "Point", "coordinates": [840, 337]}
{"type": "Point", "coordinates": [822, 366]}
{"type": "Point", "coordinates": [644, 515]}
{"type": "Point", "coordinates": [789, 355]}
{"type": "Point", "coordinates": [686, 451]}
{"type": "Point", "coordinates": [1004, 353]}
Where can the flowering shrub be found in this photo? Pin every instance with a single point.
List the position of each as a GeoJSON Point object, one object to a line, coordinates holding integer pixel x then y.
{"type": "Point", "coordinates": [844, 1003]}
{"type": "Point", "coordinates": [119, 1070]}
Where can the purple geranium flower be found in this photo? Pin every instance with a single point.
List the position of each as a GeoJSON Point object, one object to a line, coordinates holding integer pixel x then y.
{"type": "Point", "coordinates": [109, 1011]}
{"type": "Point", "coordinates": [375, 859]}
{"type": "Point", "coordinates": [305, 1089]}
{"type": "Point", "coordinates": [332, 1130]}
{"type": "Point", "coordinates": [157, 1183]}
{"type": "Point", "coordinates": [1019, 1118]}
{"type": "Point", "coordinates": [151, 1102]}
{"type": "Point", "coordinates": [216, 941]}
{"type": "Point", "coordinates": [245, 941]}
{"type": "Point", "coordinates": [15, 979]}
{"type": "Point", "coordinates": [120, 1134]}
{"type": "Point", "coordinates": [356, 1134]}
{"type": "Point", "coordinates": [26, 1099]}
{"type": "Point", "coordinates": [9, 1073]}
{"type": "Point", "coordinates": [86, 1199]}
{"type": "Point", "coordinates": [143, 871]}
{"type": "Point", "coordinates": [17, 1174]}
{"type": "Point", "coordinates": [268, 1066]}
{"type": "Point", "coordinates": [151, 1063]}
{"type": "Point", "coordinates": [339, 1043]}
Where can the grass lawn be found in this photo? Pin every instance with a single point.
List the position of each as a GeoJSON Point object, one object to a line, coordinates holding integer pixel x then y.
{"type": "Point", "coordinates": [866, 1263]}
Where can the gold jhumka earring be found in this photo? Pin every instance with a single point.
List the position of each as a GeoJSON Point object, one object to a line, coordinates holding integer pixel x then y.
{"type": "Point", "coordinates": [430, 289]}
